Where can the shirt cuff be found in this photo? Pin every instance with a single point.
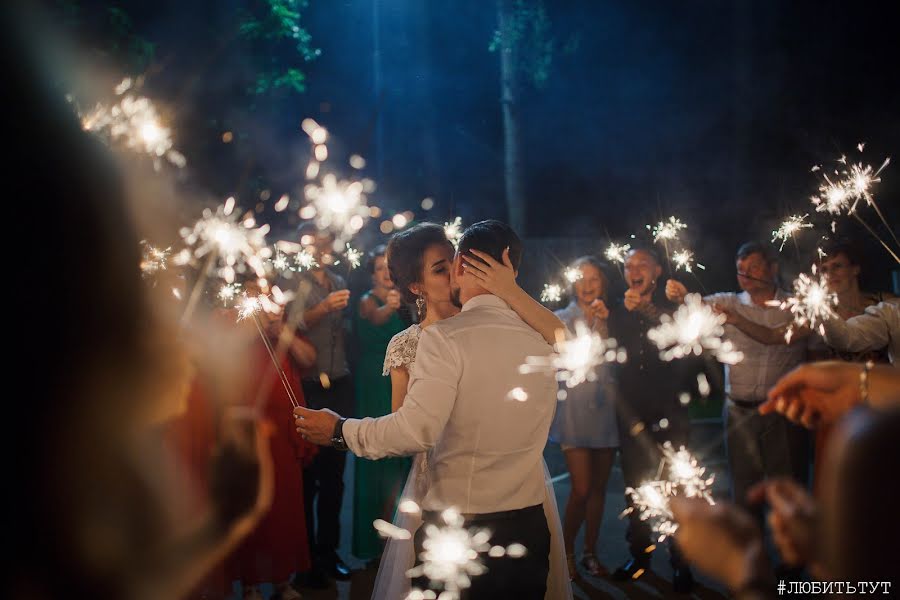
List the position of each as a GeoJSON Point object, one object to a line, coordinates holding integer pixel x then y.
{"type": "Point", "coordinates": [351, 435]}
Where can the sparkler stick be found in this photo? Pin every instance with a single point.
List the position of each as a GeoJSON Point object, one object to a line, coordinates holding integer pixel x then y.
{"type": "Point", "coordinates": [251, 307]}
{"type": "Point", "coordinates": [877, 237]}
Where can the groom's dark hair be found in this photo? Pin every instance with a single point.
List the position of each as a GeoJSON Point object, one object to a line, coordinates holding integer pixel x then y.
{"type": "Point", "coordinates": [492, 237]}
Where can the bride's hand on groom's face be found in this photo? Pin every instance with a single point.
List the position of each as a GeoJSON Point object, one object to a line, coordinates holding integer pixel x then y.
{"type": "Point", "coordinates": [316, 426]}
{"type": "Point", "coordinates": [499, 279]}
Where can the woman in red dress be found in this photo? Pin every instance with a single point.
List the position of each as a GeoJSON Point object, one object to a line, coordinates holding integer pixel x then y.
{"type": "Point", "coordinates": [278, 547]}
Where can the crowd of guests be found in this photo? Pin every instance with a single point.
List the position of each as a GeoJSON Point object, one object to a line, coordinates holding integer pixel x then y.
{"type": "Point", "coordinates": [157, 464]}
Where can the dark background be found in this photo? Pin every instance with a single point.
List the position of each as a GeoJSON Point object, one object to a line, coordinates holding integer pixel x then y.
{"type": "Point", "coordinates": [710, 110]}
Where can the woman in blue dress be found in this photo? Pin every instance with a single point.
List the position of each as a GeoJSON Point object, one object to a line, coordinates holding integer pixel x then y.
{"type": "Point", "coordinates": [585, 423]}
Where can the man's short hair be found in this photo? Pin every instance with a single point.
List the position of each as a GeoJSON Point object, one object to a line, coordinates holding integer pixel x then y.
{"type": "Point", "coordinates": [748, 248]}
{"type": "Point", "coordinates": [832, 248]}
{"type": "Point", "coordinates": [492, 237]}
{"type": "Point", "coordinates": [649, 251]}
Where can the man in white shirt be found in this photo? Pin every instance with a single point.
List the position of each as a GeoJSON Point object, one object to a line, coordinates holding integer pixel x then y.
{"type": "Point", "coordinates": [759, 446]}
{"type": "Point", "coordinates": [485, 443]}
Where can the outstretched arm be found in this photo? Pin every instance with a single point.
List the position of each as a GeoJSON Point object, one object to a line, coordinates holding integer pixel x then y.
{"type": "Point", "coordinates": [500, 280]}
{"type": "Point", "coordinates": [419, 422]}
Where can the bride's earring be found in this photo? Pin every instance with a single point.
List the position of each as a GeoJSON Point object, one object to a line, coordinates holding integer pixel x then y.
{"type": "Point", "coordinates": [420, 307]}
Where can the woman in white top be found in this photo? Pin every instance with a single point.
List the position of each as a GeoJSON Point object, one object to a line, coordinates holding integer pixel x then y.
{"type": "Point", "coordinates": [419, 260]}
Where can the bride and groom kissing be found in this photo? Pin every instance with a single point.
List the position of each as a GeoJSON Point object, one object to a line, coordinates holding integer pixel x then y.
{"type": "Point", "coordinates": [485, 446]}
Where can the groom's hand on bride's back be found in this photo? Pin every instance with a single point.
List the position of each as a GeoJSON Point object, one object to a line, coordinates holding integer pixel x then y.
{"type": "Point", "coordinates": [316, 426]}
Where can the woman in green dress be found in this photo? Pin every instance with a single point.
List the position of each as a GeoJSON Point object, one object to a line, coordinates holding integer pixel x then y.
{"type": "Point", "coordinates": [377, 483]}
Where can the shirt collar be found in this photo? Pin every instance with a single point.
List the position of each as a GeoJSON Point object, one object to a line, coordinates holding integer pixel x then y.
{"type": "Point", "coordinates": [485, 300]}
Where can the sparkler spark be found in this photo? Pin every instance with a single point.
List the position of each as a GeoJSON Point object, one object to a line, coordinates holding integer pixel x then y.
{"type": "Point", "coordinates": [812, 304]}
{"type": "Point", "coordinates": [280, 262]}
{"type": "Point", "coordinates": [789, 227]}
{"type": "Point", "coordinates": [250, 305]}
{"type": "Point", "coordinates": [450, 553]}
{"type": "Point", "coordinates": [667, 230]}
{"type": "Point", "coordinates": [852, 184]}
{"type": "Point", "coordinates": [353, 256]}
{"type": "Point", "coordinates": [305, 260]}
{"type": "Point", "coordinates": [153, 259]}
{"type": "Point", "coordinates": [552, 292]}
{"type": "Point", "coordinates": [237, 246]}
{"type": "Point", "coordinates": [133, 120]}
{"type": "Point", "coordinates": [693, 329]}
{"type": "Point", "coordinates": [338, 205]}
{"type": "Point", "coordinates": [228, 292]}
{"type": "Point", "coordinates": [577, 356]}
{"type": "Point", "coordinates": [616, 252]}
{"type": "Point", "coordinates": [453, 230]}
{"type": "Point", "coordinates": [684, 260]}
{"type": "Point", "coordinates": [685, 477]}
{"type": "Point", "coordinates": [573, 274]}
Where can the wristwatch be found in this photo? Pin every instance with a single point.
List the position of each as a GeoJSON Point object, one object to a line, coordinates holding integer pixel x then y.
{"type": "Point", "coordinates": [337, 437]}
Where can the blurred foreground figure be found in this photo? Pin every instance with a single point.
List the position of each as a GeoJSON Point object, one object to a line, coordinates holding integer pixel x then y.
{"type": "Point", "coordinates": [94, 514]}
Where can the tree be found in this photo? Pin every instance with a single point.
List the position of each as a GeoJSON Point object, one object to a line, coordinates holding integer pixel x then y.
{"type": "Point", "coordinates": [526, 47]}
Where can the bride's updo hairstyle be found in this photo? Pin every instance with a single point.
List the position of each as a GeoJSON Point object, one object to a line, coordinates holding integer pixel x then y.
{"type": "Point", "coordinates": [406, 252]}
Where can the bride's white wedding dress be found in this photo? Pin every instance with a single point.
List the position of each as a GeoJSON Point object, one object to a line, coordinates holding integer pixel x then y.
{"type": "Point", "coordinates": [392, 583]}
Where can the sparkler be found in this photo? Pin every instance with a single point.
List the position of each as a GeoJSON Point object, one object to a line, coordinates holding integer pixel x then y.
{"type": "Point", "coordinates": [851, 184]}
{"type": "Point", "coordinates": [250, 307]}
{"type": "Point", "coordinates": [812, 304]}
{"type": "Point", "coordinates": [305, 260]}
{"type": "Point", "coordinates": [280, 262]}
{"type": "Point", "coordinates": [235, 246]}
{"type": "Point", "coordinates": [577, 356]}
{"type": "Point", "coordinates": [789, 228]}
{"type": "Point", "coordinates": [667, 230]}
{"type": "Point", "coordinates": [353, 257]}
{"type": "Point", "coordinates": [693, 329]}
{"type": "Point", "coordinates": [338, 205]}
{"type": "Point", "coordinates": [573, 274]}
{"type": "Point", "coordinates": [552, 292]}
{"type": "Point", "coordinates": [616, 252]}
{"type": "Point", "coordinates": [453, 230]}
{"type": "Point", "coordinates": [651, 498]}
{"type": "Point", "coordinates": [153, 259]}
{"type": "Point", "coordinates": [228, 292]}
{"type": "Point", "coordinates": [684, 260]}
{"type": "Point", "coordinates": [135, 121]}
{"type": "Point", "coordinates": [450, 554]}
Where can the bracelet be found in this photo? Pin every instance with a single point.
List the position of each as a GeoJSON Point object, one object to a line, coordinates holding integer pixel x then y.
{"type": "Point", "coordinates": [864, 381]}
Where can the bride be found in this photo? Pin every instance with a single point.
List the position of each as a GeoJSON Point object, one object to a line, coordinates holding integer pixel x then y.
{"type": "Point", "coordinates": [419, 261]}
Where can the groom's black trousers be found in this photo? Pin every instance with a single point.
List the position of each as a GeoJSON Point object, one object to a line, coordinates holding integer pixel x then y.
{"type": "Point", "coordinates": [522, 578]}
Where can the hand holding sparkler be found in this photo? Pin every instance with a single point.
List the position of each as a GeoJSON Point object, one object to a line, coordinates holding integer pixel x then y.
{"type": "Point", "coordinates": [635, 300]}
{"type": "Point", "coordinates": [792, 518]}
{"type": "Point", "coordinates": [597, 311]}
{"type": "Point", "coordinates": [393, 299]}
{"type": "Point", "coordinates": [335, 301]}
{"type": "Point", "coordinates": [676, 291]}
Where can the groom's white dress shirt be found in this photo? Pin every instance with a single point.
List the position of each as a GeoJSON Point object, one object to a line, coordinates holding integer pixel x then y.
{"type": "Point", "coordinates": [486, 447]}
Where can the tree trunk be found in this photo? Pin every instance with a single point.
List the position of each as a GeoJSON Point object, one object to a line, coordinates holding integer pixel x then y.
{"type": "Point", "coordinates": [512, 168]}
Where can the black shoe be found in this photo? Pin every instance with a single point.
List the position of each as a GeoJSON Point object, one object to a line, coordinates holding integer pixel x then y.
{"type": "Point", "coordinates": [682, 580]}
{"type": "Point", "coordinates": [315, 579]}
{"type": "Point", "coordinates": [339, 569]}
{"type": "Point", "coordinates": [633, 569]}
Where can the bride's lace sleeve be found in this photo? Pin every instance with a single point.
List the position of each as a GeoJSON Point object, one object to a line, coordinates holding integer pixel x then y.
{"type": "Point", "coordinates": [401, 351]}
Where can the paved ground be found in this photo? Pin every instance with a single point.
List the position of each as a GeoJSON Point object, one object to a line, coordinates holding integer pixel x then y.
{"type": "Point", "coordinates": [612, 550]}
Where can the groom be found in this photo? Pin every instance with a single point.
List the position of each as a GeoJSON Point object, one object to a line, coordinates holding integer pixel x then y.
{"type": "Point", "coordinates": [486, 448]}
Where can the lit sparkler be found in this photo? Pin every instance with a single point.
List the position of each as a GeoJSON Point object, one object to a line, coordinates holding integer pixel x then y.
{"type": "Point", "coordinates": [305, 260]}
{"type": "Point", "coordinates": [153, 259]}
{"type": "Point", "coordinates": [280, 262]}
{"type": "Point", "coordinates": [812, 304]}
{"type": "Point", "coordinates": [693, 329]}
{"type": "Point", "coordinates": [228, 292]}
{"type": "Point", "coordinates": [685, 477]}
{"type": "Point", "coordinates": [353, 256]}
{"type": "Point", "coordinates": [667, 230]}
{"type": "Point", "coordinates": [450, 555]}
{"type": "Point", "coordinates": [577, 356]}
{"type": "Point", "coordinates": [235, 246]}
{"type": "Point", "coordinates": [616, 252]}
{"type": "Point", "coordinates": [453, 230]}
{"type": "Point", "coordinates": [134, 120]}
{"type": "Point", "coordinates": [552, 292]}
{"type": "Point", "coordinates": [789, 228]}
{"type": "Point", "coordinates": [338, 205]}
{"type": "Point", "coordinates": [573, 274]}
{"type": "Point", "coordinates": [684, 261]}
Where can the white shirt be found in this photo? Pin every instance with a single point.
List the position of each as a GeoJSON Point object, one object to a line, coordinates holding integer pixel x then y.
{"type": "Point", "coordinates": [486, 448]}
{"type": "Point", "coordinates": [763, 364]}
{"type": "Point", "coordinates": [876, 328]}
